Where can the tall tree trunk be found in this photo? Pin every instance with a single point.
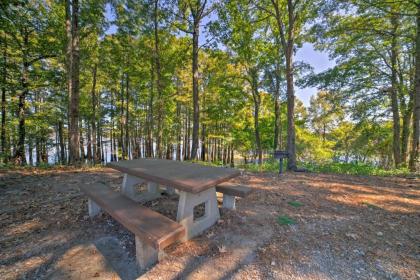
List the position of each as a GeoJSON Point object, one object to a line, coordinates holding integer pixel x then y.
{"type": "Point", "coordinates": [394, 96]}
{"type": "Point", "coordinates": [291, 133]}
{"type": "Point", "coordinates": [276, 105]}
{"type": "Point", "coordinates": [3, 150]}
{"type": "Point", "coordinates": [287, 40]}
{"type": "Point", "coordinates": [96, 152]}
{"type": "Point", "coordinates": [20, 157]}
{"type": "Point", "coordinates": [149, 144]}
{"type": "Point", "coordinates": [257, 102]}
{"type": "Point", "coordinates": [127, 103]}
{"type": "Point", "coordinates": [159, 86]}
{"type": "Point", "coordinates": [196, 108]}
{"type": "Point", "coordinates": [415, 143]}
{"type": "Point", "coordinates": [179, 129]}
{"type": "Point", "coordinates": [122, 119]}
{"type": "Point", "coordinates": [74, 156]}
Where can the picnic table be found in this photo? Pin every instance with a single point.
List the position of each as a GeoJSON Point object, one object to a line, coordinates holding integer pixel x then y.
{"type": "Point", "coordinates": [196, 184]}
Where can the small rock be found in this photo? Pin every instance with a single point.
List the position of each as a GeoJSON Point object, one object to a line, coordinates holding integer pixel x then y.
{"type": "Point", "coordinates": [273, 263]}
{"type": "Point", "coordinates": [222, 249]}
{"type": "Point", "coordinates": [379, 233]}
{"type": "Point", "coordinates": [352, 235]}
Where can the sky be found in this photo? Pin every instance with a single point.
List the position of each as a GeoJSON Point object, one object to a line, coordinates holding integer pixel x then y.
{"type": "Point", "coordinates": [317, 59]}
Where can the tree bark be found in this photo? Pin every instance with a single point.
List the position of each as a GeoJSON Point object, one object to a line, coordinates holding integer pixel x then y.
{"type": "Point", "coordinates": [159, 87]}
{"type": "Point", "coordinates": [196, 108]}
{"type": "Point", "coordinates": [257, 102]}
{"type": "Point", "coordinates": [74, 156]}
{"type": "Point", "coordinates": [276, 107]}
{"type": "Point", "coordinates": [415, 143]}
{"type": "Point", "coordinates": [394, 96]}
{"type": "Point", "coordinates": [96, 152]}
{"type": "Point", "coordinates": [127, 114]}
{"type": "Point", "coordinates": [20, 157]}
{"type": "Point", "coordinates": [5, 154]}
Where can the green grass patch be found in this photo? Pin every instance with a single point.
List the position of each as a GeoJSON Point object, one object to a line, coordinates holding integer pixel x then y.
{"type": "Point", "coordinates": [355, 169]}
{"type": "Point", "coordinates": [296, 204]}
{"type": "Point", "coordinates": [285, 220]}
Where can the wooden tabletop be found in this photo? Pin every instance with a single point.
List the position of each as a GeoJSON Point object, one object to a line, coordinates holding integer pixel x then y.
{"type": "Point", "coordinates": [185, 176]}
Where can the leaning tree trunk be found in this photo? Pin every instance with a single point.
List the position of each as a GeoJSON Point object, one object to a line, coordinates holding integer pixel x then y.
{"type": "Point", "coordinates": [415, 143]}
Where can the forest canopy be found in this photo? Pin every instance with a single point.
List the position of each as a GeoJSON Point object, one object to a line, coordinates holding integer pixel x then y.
{"type": "Point", "coordinates": [93, 81]}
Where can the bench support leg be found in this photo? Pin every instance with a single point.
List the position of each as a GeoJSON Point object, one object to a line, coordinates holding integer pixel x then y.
{"type": "Point", "coordinates": [128, 185]}
{"type": "Point", "coordinates": [229, 202]}
{"type": "Point", "coordinates": [152, 187]}
{"type": "Point", "coordinates": [170, 190]}
{"type": "Point", "coordinates": [146, 255]}
{"type": "Point", "coordinates": [94, 208]}
{"type": "Point", "coordinates": [185, 216]}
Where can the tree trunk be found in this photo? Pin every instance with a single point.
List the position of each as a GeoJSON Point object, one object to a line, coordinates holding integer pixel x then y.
{"type": "Point", "coordinates": [82, 144]}
{"type": "Point", "coordinates": [96, 152]}
{"type": "Point", "coordinates": [74, 156]}
{"type": "Point", "coordinates": [159, 87]}
{"type": "Point", "coordinates": [291, 133]}
{"type": "Point", "coordinates": [276, 106]}
{"type": "Point", "coordinates": [149, 143]}
{"type": "Point", "coordinates": [20, 157]}
{"type": "Point", "coordinates": [61, 140]}
{"type": "Point", "coordinates": [257, 102]}
{"type": "Point", "coordinates": [415, 143]}
{"type": "Point", "coordinates": [394, 96]}
{"type": "Point", "coordinates": [5, 155]}
{"type": "Point", "coordinates": [89, 143]}
{"type": "Point", "coordinates": [127, 103]}
{"type": "Point", "coordinates": [196, 108]}
{"type": "Point", "coordinates": [179, 129]}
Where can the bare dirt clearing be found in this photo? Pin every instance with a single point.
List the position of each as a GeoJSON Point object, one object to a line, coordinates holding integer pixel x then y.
{"type": "Point", "coordinates": [340, 227]}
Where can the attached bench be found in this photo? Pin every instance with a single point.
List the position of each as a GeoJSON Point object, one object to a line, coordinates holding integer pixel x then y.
{"type": "Point", "coordinates": [230, 191]}
{"type": "Point", "coordinates": [153, 231]}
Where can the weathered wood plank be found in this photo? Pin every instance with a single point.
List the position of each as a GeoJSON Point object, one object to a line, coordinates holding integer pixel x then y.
{"type": "Point", "coordinates": [151, 227]}
{"type": "Point", "coordinates": [233, 189]}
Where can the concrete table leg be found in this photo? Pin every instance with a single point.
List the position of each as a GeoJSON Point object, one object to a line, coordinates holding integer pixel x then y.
{"type": "Point", "coordinates": [128, 185]}
{"type": "Point", "coordinates": [228, 202]}
{"type": "Point", "coordinates": [146, 255]}
{"type": "Point", "coordinates": [185, 216]}
{"type": "Point", "coordinates": [94, 208]}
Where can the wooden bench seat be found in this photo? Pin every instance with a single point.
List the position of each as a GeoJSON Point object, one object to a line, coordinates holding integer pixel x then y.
{"type": "Point", "coordinates": [230, 191]}
{"type": "Point", "coordinates": [153, 231]}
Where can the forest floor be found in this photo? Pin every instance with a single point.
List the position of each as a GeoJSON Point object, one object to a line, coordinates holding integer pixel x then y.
{"type": "Point", "coordinates": [298, 226]}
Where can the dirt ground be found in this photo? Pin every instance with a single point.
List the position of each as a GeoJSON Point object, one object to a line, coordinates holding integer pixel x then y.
{"type": "Point", "coordinates": [339, 227]}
